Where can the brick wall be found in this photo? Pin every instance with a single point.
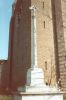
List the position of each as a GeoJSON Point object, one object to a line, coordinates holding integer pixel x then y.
{"type": "Point", "coordinates": [45, 40]}
{"type": "Point", "coordinates": [63, 70]}
{"type": "Point", "coordinates": [59, 42]}
{"type": "Point", "coordinates": [21, 47]}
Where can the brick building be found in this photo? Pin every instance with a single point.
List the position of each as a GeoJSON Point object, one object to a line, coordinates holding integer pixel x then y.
{"type": "Point", "coordinates": [20, 30]}
{"type": "Point", "coordinates": [3, 75]}
{"type": "Point", "coordinates": [51, 45]}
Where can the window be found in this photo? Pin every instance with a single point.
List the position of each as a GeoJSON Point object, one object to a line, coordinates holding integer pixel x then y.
{"type": "Point", "coordinates": [44, 24]}
{"type": "Point", "coordinates": [43, 4]}
{"type": "Point", "coordinates": [45, 65]}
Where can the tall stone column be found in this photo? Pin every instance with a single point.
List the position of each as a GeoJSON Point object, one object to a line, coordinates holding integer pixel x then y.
{"type": "Point", "coordinates": [35, 75]}
{"type": "Point", "coordinates": [33, 38]}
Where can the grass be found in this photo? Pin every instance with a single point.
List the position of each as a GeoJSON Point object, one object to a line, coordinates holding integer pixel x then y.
{"type": "Point", "coordinates": [64, 97]}
{"type": "Point", "coordinates": [4, 97]}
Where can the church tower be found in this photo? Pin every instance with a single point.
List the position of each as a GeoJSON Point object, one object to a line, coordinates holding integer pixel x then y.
{"type": "Point", "coordinates": [20, 30]}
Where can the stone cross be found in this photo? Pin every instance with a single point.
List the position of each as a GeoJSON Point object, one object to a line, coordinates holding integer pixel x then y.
{"type": "Point", "coordinates": [33, 38]}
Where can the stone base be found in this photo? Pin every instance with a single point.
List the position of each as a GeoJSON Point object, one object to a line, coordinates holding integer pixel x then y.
{"type": "Point", "coordinates": [41, 96]}
{"type": "Point", "coordinates": [44, 89]}
{"type": "Point", "coordinates": [40, 93]}
{"type": "Point", "coordinates": [36, 88]}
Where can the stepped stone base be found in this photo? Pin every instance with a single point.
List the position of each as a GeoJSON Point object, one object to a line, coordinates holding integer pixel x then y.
{"type": "Point", "coordinates": [36, 89]}
{"type": "Point", "coordinates": [40, 93]}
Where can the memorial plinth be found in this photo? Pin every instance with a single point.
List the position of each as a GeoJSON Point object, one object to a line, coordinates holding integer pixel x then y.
{"type": "Point", "coordinates": [35, 87]}
{"type": "Point", "coordinates": [38, 96]}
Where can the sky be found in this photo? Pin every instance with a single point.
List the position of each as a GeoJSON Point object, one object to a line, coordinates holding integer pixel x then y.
{"type": "Point", "coordinates": [5, 15]}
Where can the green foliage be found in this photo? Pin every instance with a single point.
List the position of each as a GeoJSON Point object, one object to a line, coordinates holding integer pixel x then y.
{"type": "Point", "coordinates": [4, 97]}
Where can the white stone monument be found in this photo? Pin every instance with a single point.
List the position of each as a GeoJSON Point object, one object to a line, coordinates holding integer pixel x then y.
{"type": "Point", "coordinates": [35, 87]}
